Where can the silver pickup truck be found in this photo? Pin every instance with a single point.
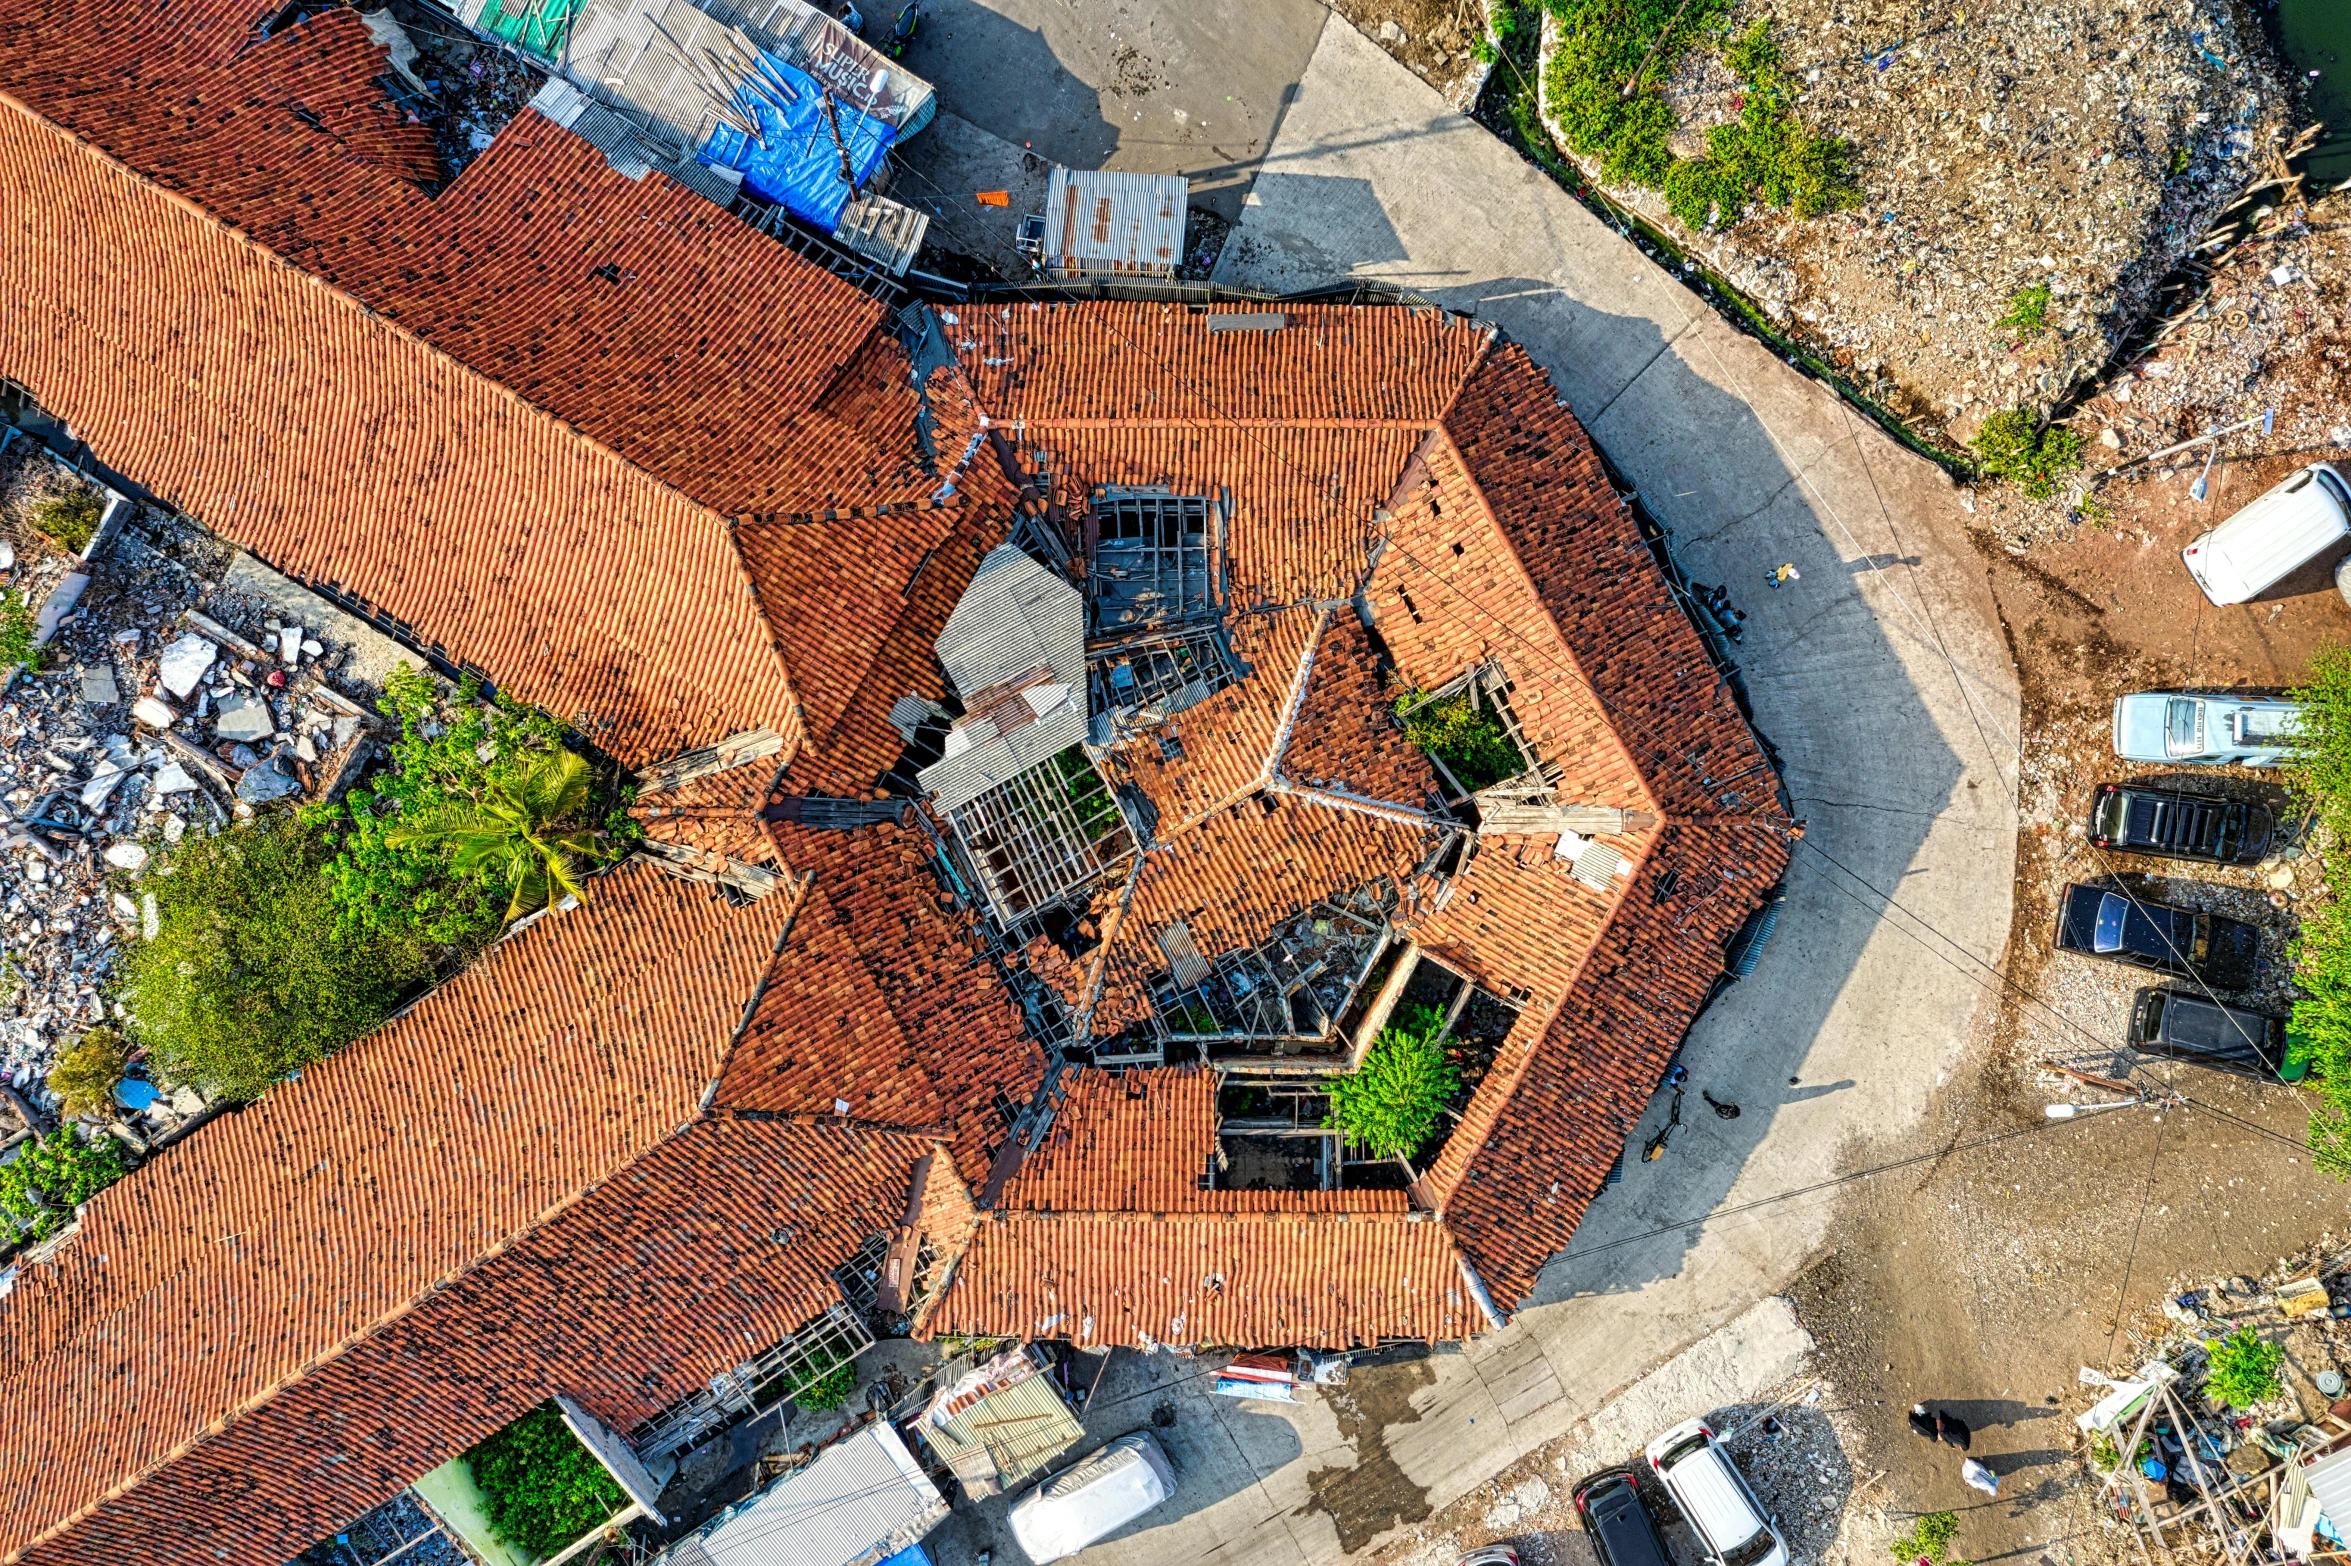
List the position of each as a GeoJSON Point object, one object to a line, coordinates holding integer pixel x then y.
{"type": "Point", "coordinates": [2181, 727]}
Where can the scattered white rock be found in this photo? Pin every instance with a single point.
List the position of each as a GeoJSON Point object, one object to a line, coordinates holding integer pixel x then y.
{"type": "Point", "coordinates": [154, 712]}
{"type": "Point", "coordinates": [290, 645]}
{"type": "Point", "coordinates": [184, 664]}
{"type": "Point", "coordinates": [126, 856]}
{"type": "Point", "coordinates": [312, 647]}
{"type": "Point", "coordinates": [244, 717]}
{"type": "Point", "coordinates": [172, 778]}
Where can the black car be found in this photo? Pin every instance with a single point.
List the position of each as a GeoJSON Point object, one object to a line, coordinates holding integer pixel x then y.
{"type": "Point", "coordinates": [1622, 1531]}
{"type": "Point", "coordinates": [2106, 922]}
{"type": "Point", "coordinates": [2181, 1025]}
{"type": "Point", "coordinates": [2180, 826]}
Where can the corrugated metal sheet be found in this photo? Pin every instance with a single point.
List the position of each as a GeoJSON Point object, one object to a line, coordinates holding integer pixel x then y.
{"type": "Point", "coordinates": [1013, 1434]}
{"type": "Point", "coordinates": [862, 1501]}
{"type": "Point", "coordinates": [1014, 616]}
{"type": "Point", "coordinates": [1097, 223]}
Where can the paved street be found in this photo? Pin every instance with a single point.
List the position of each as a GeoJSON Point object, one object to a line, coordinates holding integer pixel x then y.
{"type": "Point", "coordinates": [1880, 676]}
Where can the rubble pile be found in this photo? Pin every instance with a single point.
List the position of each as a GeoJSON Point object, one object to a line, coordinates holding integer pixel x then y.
{"type": "Point", "coordinates": [2085, 145]}
{"type": "Point", "coordinates": [165, 704]}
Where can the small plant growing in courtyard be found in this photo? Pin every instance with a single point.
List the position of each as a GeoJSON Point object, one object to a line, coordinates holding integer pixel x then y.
{"type": "Point", "coordinates": [47, 1180]}
{"type": "Point", "coordinates": [69, 518]}
{"type": "Point", "coordinates": [543, 1488]}
{"type": "Point", "coordinates": [1391, 1106]}
{"type": "Point", "coordinates": [1465, 734]}
{"type": "Point", "coordinates": [2028, 312]}
{"type": "Point", "coordinates": [830, 1390]}
{"type": "Point", "coordinates": [85, 1075]}
{"type": "Point", "coordinates": [2241, 1370]}
{"type": "Point", "coordinates": [2011, 446]}
{"type": "Point", "coordinates": [1929, 1539]}
{"type": "Point", "coordinates": [18, 626]}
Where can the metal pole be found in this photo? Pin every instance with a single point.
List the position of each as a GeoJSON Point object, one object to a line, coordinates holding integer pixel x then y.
{"type": "Point", "coordinates": [833, 123]}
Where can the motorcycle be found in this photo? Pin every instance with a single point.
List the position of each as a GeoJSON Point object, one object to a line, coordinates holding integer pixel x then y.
{"type": "Point", "coordinates": [902, 30]}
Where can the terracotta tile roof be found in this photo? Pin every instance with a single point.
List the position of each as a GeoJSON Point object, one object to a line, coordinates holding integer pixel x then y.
{"type": "Point", "coordinates": [1224, 742]}
{"type": "Point", "coordinates": [882, 997]}
{"type": "Point", "coordinates": [345, 452]}
{"type": "Point", "coordinates": [1347, 737]}
{"type": "Point", "coordinates": [1138, 1142]}
{"type": "Point", "coordinates": [595, 296]}
{"type": "Point", "coordinates": [677, 1267]}
{"type": "Point", "coordinates": [1141, 363]}
{"type": "Point", "coordinates": [1245, 1280]}
{"type": "Point", "coordinates": [1601, 1058]}
{"type": "Point", "coordinates": [212, 1281]}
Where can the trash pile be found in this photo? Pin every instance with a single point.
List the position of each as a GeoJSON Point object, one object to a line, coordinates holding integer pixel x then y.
{"type": "Point", "coordinates": [165, 703]}
{"type": "Point", "coordinates": [2001, 147]}
{"type": "Point", "coordinates": [2265, 332]}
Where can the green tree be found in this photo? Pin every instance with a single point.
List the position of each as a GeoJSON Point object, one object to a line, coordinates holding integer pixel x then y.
{"type": "Point", "coordinates": [2241, 1370]}
{"type": "Point", "coordinates": [544, 1489]}
{"type": "Point", "coordinates": [515, 835]}
{"type": "Point", "coordinates": [47, 1180]}
{"type": "Point", "coordinates": [1390, 1106]}
{"type": "Point", "coordinates": [251, 975]}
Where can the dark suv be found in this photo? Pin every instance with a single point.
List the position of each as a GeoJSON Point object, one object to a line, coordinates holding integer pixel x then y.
{"type": "Point", "coordinates": [2178, 1025]}
{"type": "Point", "coordinates": [2179, 826]}
{"type": "Point", "coordinates": [1623, 1533]}
{"type": "Point", "coordinates": [2114, 925]}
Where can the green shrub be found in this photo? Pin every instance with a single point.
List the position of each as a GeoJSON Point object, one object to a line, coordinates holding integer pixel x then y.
{"type": "Point", "coordinates": [2241, 1370]}
{"type": "Point", "coordinates": [2011, 446]}
{"type": "Point", "coordinates": [830, 1390]}
{"type": "Point", "coordinates": [544, 1489]}
{"type": "Point", "coordinates": [1764, 155]}
{"type": "Point", "coordinates": [253, 973]}
{"type": "Point", "coordinates": [2320, 774]}
{"type": "Point", "coordinates": [388, 884]}
{"type": "Point", "coordinates": [69, 518]}
{"type": "Point", "coordinates": [1929, 1539]}
{"type": "Point", "coordinates": [1464, 733]}
{"type": "Point", "coordinates": [85, 1075]}
{"type": "Point", "coordinates": [2028, 312]}
{"type": "Point", "coordinates": [42, 1185]}
{"type": "Point", "coordinates": [1390, 1107]}
{"type": "Point", "coordinates": [18, 626]}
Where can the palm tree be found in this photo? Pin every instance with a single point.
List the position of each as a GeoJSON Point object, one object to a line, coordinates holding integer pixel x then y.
{"type": "Point", "coordinates": [511, 831]}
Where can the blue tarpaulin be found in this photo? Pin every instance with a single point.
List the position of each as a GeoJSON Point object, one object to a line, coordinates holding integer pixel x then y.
{"type": "Point", "coordinates": [912, 1555]}
{"type": "Point", "coordinates": [799, 166]}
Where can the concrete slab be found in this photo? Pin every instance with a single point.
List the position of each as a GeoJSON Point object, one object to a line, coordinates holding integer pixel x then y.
{"type": "Point", "coordinates": [944, 170]}
{"type": "Point", "coordinates": [1191, 87]}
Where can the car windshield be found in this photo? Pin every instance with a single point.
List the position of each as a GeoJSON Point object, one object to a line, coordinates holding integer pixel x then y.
{"type": "Point", "coordinates": [1752, 1551]}
{"type": "Point", "coordinates": [2183, 727]}
{"type": "Point", "coordinates": [2112, 911]}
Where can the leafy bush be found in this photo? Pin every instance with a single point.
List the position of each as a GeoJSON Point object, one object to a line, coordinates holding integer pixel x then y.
{"type": "Point", "coordinates": [1929, 1539]}
{"type": "Point", "coordinates": [2028, 312]}
{"type": "Point", "coordinates": [18, 626]}
{"type": "Point", "coordinates": [1764, 155]}
{"type": "Point", "coordinates": [2320, 775]}
{"type": "Point", "coordinates": [1464, 733]}
{"type": "Point", "coordinates": [544, 1489]}
{"type": "Point", "coordinates": [1391, 1106]}
{"type": "Point", "coordinates": [830, 1390]}
{"type": "Point", "coordinates": [253, 973]}
{"type": "Point", "coordinates": [390, 880]}
{"type": "Point", "coordinates": [85, 1075]}
{"type": "Point", "coordinates": [2011, 446]}
{"type": "Point", "coordinates": [2241, 1370]}
{"type": "Point", "coordinates": [69, 518]}
{"type": "Point", "coordinates": [42, 1185]}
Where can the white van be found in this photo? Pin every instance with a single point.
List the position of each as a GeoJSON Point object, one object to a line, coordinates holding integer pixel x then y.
{"type": "Point", "coordinates": [1714, 1498]}
{"type": "Point", "coordinates": [1093, 1500]}
{"type": "Point", "coordinates": [2282, 530]}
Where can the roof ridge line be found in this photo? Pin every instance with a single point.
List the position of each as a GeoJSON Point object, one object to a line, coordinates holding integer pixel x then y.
{"type": "Point", "coordinates": [1230, 421]}
{"type": "Point", "coordinates": [389, 324]}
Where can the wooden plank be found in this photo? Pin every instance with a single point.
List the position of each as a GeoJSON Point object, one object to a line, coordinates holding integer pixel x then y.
{"type": "Point", "coordinates": [205, 625]}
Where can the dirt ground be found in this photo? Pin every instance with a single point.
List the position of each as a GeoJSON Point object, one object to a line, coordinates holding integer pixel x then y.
{"type": "Point", "coordinates": [1434, 39]}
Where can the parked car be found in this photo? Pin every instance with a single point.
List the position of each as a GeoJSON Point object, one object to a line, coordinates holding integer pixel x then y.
{"type": "Point", "coordinates": [2281, 531]}
{"type": "Point", "coordinates": [2102, 922]}
{"type": "Point", "coordinates": [1490, 1555]}
{"type": "Point", "coordinates": [2208, 731]}
{"type": "Point", "coordinates": [2174, 825]}
{"type": "Point", "coordinates": [1622, 1531]}
{"type": "Point", "coordinates": [1714, 1498]}
{"type": "Point", "coordinates": [1099, 1496]}
{"type": "Point", "coordinates": [2182, 1025]}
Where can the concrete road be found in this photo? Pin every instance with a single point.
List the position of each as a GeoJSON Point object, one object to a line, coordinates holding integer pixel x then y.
{"type": "Point", "coordinates": [1194, 88]}
{"type": "Point", "coordinates": [1880, 675]}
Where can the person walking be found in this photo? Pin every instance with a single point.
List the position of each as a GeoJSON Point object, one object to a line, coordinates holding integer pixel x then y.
{"type": "Point", "coordinates": [1952, 1430]}
{"type": "Point", "coordinates": [1922, 1423]}
{"type": "Point", "coordinates": [1979, 1476]}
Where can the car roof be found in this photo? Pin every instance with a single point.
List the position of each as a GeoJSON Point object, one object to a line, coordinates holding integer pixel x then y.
{"type": "Point", "coordinates": [1713, 1499]}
